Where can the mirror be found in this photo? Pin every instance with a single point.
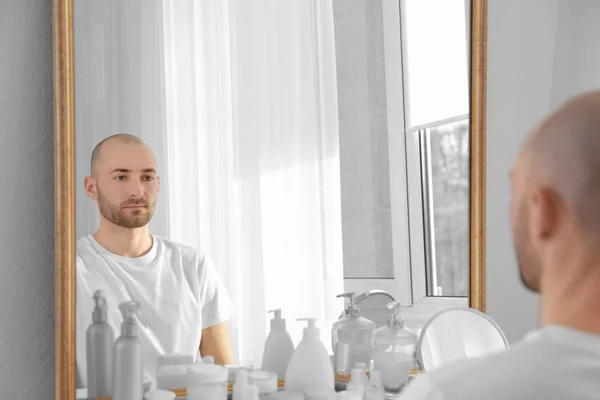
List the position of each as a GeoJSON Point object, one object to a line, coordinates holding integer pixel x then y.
{"type": "Point", "coordinates": [372, 306]}
{"type": "Point", "coordinates": [457, 334]}
{"type": "Point", "coordinates": [292, 150]}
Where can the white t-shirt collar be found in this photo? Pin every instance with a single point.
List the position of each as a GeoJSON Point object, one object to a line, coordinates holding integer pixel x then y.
{"type": "Point", "coordinates": [142, 261]}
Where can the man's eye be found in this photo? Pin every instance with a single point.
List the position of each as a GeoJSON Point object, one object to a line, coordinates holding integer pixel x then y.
{"type": "Point", "coordinates": [149, 178]}
{"type": "Point", "coordinates": [120, 177]}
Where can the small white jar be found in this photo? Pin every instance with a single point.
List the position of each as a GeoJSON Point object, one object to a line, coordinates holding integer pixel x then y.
{"type": "Point", "coordinates": [207, 382]}
{"type": "Point", "coordinates": [265, 381]}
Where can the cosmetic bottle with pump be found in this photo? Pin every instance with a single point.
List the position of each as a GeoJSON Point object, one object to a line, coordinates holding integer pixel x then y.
{"type": "Point", "coordinates": [310, 364]}
{"type": "Point", "coordinates": [356, 330]}
{"type": "Point", "coordinates": [394, 350]}
{"type": "Point", "coordinates": [128, 378]}
{"type": "Point", "coordinates": [278, 347]}
{"type": "Point", "coordinates": [100, 340]}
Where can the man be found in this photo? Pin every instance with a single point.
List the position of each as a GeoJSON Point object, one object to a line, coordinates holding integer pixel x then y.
{"type": "Point", "coordinates": [555, 215]}
{"type": "Point", "coordinates": [184, 305]}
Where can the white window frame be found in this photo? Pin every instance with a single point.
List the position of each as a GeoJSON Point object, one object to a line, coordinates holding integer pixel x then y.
{"type": "Point", "coordinates": [408, 228]}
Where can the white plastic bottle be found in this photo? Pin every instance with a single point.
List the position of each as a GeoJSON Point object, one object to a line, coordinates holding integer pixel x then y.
{"type": "Point", "coordinates": [241, 384]}
{"type": "Point", "coordinates": [100, 341]}
{"type": "Point", "coordinates": [278, 347]}
{"type": "Point", "coordinates": [310, 365]}
{"type": "Point", "coordinates": [252, 393]}
{"type": "Point", "coordinates": [375, 390]}
{"type": "Point", "coordinates": [357, 382]}
{"type": "Point", "coordinates": [128, 378]}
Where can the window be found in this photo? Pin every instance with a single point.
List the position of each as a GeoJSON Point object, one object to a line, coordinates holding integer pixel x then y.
{"type": "Point", "coordinates": [403, 98]}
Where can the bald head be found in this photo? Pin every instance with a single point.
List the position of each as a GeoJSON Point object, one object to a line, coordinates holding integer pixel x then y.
{"type": "Point", "coordinates": [124, 181]}
{"type": "Point", "coordinates": [563, 153]}
{"type": "Point", "coordinates": [122, 138]}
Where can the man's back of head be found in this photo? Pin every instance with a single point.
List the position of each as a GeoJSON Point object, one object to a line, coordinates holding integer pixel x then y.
{"type": "Point", "coordinates": [555, 214]}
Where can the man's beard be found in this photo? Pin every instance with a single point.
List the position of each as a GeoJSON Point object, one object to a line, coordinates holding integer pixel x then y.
{"type": "Point", "coordinates": [133, 219]}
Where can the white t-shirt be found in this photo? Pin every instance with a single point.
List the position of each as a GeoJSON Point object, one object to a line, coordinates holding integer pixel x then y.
{"type": "Point", "coordinates": [177, 286]}
{"type": "Point", "coordinates": [555, 362]}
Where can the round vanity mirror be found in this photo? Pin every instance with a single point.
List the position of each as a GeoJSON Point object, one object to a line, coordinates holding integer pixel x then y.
{"type": "Point", "coordinates": [456, 334]}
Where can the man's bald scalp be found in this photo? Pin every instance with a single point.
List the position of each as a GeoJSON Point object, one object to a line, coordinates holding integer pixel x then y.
{"type": "Point", "coordinates": [121, 137]}
{"type": "Point", "coordinates": [564, 153]}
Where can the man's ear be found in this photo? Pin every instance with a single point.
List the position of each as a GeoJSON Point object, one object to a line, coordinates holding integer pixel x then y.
{"type": "Point", "coordinates": [90, 187]}
{"type": "Point", "coordinates": [158, 181]}
{"type": "Point", "coordinates": [544, 213]}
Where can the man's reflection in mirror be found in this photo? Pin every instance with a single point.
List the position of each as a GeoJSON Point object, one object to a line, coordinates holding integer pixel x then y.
{"type": "Point", "coordinates": [184, 305]}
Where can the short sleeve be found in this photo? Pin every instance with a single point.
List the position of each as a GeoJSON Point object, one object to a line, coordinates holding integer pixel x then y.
{"type": "Point", "coordinates": [421, 388]}
{"type": "Point", "coordinates": [215, 303]}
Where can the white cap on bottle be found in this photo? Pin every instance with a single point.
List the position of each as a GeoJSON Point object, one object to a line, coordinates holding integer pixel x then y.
{"type": "Point", "coordinates": [277, 323]}
{"type": "Point", "coordinates": [311, 331]}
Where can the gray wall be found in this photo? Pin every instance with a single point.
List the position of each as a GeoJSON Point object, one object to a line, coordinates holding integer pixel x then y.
{"type": "Point", "coordinates": [26, 206]}
{"type": "Point", "coordinates": [521, 44]}
{"type": "Point", "coordinates": [540, 53]}
{"type": "Point", "coordinates": [576, 63]}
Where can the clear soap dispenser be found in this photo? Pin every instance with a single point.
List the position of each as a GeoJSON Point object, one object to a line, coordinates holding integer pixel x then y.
{"type": "Point", "coordinates": [357, 331]}
{"type": "Point", "coordinates": [394, 350]}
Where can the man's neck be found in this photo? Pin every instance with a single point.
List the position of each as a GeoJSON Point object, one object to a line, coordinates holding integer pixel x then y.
{"type": "Point", "coordinates": [571, 298]}
{"type": "Point", "coordinates": [125, 242]}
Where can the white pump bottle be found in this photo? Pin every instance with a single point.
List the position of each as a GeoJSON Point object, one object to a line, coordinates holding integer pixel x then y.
{"type": "Point", "coordinates": [100, 339]}
{"type": "Point", "coordinates": [310, 365]}
{"type": "Point", "coordinates": [278, 347]}
{"type": "Point", "coordinates": [128, 378]}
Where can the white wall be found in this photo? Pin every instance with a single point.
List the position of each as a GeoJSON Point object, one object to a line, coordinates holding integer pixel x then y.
{"type": "Point", "coordinates": [521, 44]}
{"type": "Point", "coordinates": [26, 206]}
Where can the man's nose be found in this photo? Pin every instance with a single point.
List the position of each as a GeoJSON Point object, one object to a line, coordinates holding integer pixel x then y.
{"type": "Point", "coordinates": [136, 189]}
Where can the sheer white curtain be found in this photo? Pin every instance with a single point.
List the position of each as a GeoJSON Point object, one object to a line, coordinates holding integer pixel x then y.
{"type": "Point", "coordinates": [253, 155]}
{"type": "Point", "coordinates": [118, 89]}
{"type": "Point", "coordinates": [238, 100]}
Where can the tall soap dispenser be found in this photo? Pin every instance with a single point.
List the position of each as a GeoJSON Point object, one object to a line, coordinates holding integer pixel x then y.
{"type": "Point", "coordinates": [310, 365]}
{"type": "Point", "coordinates": [100, 339]}
{"type": "Point", "coordinates": [394, 350]}
{"type": "Point", "coordinates": [278, 347]}
{"type": "Point", "coordinates": [355, 330]}
{"type": "Point", "coordinates": [128, 378]}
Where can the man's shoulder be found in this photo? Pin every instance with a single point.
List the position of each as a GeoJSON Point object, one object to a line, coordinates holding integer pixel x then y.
{"type": "Point", "coordinates": [84, 246]}
{"type": "Point", "coordinates": [499, 373]}
{"type": "Point", "coordinates": [185, 250]}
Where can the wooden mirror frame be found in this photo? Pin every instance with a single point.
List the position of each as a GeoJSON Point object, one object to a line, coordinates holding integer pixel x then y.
{"type": "Point", "coordinates": [64, 183]}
